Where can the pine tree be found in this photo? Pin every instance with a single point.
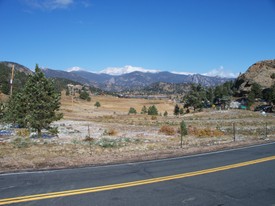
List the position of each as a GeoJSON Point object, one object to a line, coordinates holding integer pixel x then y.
{"type": "Point", "coordinates": [181, 111]}
{"type": "Point", "coordinates": [269, 94]}
{"type": "Point", "coordinates": [16, 111]}
{"type": "Point", "coordinates": [250, 99]}
{"type": "Point", "coordinates": [195, 98]}
{"type": "Point", "coordinates": [176, 110]}
{"type": "Point", "coordinates": [97, 104]}
{"type": "Point", "coordinates": [84, 95]}
{"type": "Point", "coordinates": [152, 110]}
{"type": "Point", "coordinates": [144, 110]}
{"type": "Point", "coordinates": [183, 131]}
{"type": "Point", "coordinates": [132, 111]}
{"type": "Point", "coordinates": [257, 90]}
{"type": "Point", "coordinates": [36, 105]}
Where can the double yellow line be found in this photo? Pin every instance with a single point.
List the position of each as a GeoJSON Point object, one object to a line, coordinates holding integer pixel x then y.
{"type": "Point", "coordinates": [129, 184]}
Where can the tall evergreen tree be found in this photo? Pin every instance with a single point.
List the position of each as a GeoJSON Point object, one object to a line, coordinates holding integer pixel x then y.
{"type": "Point", "coordinates": [16, 111]}
{"type": "Point", "coordinates": [269, 94]}
{"type": "Point", "coordinates": [257, 90]}
{"type": "Point", "coordinates": [195, 97]}
{"type": "Point", "coordinates": [36, 105]}
{"type": "Point", "coordinates": [176, 110]}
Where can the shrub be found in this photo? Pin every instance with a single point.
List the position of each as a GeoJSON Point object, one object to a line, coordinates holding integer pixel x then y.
{"type": "Point", "coordinates": [144, 110]}
{"type": "Point", "coordinates": [132, 111]}
{"type": "Point", "coordinates": [23, 132]}
{"type": "Point", "coordinates": [21, 142]}
{"type": "Point", "coordinates": [106, 142]}
{"type": "Point", "coordinates": [97, 104]}
{"type": "Point", "coordinates": [53, 130]}
{"type": "Point", "coordinates": [183, 129]}
{"type": "Point", "coordinates": [84, 95]}
{"type": "Point", "coordinates": [204, 132]}
{"type": "Point", "coordinates": [176, 110]}
{"type": "Point", "coordinates": [88, 139]}
{"type": "Point", "coordinates": [168, 130]}
{"type": "Point", "coordinates": [165, 114]}
{"type": "Point", "coordinates": [152, 110]}
{"type": "Point", "coordinates": [110, 132]}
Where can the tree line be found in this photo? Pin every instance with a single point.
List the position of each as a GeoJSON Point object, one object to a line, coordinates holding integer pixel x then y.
{"type": "Point", "coordinates": [199, 97]}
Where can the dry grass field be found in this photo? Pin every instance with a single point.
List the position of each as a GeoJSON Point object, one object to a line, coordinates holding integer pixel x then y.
{"type": "Point", "coordinates": [84, 110]}
{"type": "Point", "coordinates": [108, 134]}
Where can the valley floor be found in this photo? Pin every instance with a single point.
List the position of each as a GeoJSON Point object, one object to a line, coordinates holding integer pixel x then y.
{"type": "Point", "coordinates": [108, 135]}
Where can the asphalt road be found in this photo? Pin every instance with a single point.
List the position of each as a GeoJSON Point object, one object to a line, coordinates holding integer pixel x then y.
{"type": "Point", "coordinates": [234, 177]}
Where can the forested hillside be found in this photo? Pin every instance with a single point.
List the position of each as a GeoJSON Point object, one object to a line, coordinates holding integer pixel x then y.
{"type": "Point", "coordinates": [20, 79]}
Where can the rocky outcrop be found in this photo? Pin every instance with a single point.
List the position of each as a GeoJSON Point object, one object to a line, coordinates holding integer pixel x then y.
{"type": "Point", "coordinates": [262, 73]}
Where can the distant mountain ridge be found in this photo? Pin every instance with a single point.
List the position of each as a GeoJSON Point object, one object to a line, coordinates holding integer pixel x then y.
{"type": "Point", "coordinates": [17, 67]}
{"type": "Point", "coordinates": [134, 80]}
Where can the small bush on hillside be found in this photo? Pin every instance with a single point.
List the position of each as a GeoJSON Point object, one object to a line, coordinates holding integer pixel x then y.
{"type": "Point", "coordinates": [144, 110]}
{"type": "Point", "coordinates": [152, 110]}
{"type": "Point", "coordinates": [183, 129]}
{"type": "Point", "coordinates": [110, 132]}
{"type": "Point", "coordinates": [97, 104]}
{"type": "Point", "coordinates": [21, 142]}
{"type": "Point", "coordinates": [168, 130]}
{"type": "Point", "coordinates": [132, 111]}
{"type": "Point", "coordinates": [119, 142]}
{"type": "Point", "coordinates": [23, 132]}
{"type": "Point", "coordinates": [53, 130]}
{"type": "Point", "coordinates": [204, 132]}
{"type": "Point", "coordinates": [85, 95]}
{"type": "Point", "coordinates": [106, 143]}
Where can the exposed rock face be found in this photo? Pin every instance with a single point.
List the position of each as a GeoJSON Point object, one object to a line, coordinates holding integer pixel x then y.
{"type": "Point", "coordinates": [262, 73]}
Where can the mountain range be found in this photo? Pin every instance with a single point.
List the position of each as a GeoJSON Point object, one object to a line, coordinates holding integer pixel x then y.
{"type": "Point", "coordinates": [134, 80]}
{"type": "Point", "coordinates": [262, 73]}
{"type": "Point", "coordinates": [127, 80]}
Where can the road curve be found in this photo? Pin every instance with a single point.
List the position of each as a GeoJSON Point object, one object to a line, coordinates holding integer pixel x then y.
{"type": "Point", "coordinates": [234, 177]}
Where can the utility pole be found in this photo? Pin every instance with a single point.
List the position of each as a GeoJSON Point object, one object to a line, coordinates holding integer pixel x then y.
{"type": "Point", "coordinates": [12, 76]}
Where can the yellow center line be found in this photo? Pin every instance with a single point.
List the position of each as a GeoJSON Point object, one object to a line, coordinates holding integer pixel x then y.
{"type": "Point", "coordinates": [129, 184]}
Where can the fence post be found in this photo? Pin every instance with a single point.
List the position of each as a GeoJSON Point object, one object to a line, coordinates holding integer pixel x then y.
{"type": "Point", "coordinates": [89, 131]}
{"type": "Point", "coordinates": [266, 130]}
{"type": "Point", "coordinates": [234, 132]}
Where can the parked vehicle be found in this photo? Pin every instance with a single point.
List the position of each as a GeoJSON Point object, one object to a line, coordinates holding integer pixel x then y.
{"type": "Point", "coordinates": [264, 108]}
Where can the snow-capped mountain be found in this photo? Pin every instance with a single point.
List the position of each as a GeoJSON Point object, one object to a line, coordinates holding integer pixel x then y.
{"type": "Point", "coordinates": [126, 70]}
{"type": "Point", "coordinates": [130, 77]}
{"type": "Point", "coordinates": [73, 69]}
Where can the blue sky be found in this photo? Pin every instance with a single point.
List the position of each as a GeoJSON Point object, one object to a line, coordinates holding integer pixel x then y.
{"type": "Point", "coordinates": [198, 36]}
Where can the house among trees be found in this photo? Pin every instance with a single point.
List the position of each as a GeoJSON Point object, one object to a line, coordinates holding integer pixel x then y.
{"type": "Point", "coordinates": [223, 103]}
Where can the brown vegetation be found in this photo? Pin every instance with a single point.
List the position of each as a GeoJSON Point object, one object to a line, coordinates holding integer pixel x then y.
{"type": "Point", "coordinates": [104, 135]}
{"type": "Point", "coordinates": [168, 130]}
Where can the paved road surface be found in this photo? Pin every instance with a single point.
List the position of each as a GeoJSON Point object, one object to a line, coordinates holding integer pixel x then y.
{"type": "Point", "coordinates": [235, 177]}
